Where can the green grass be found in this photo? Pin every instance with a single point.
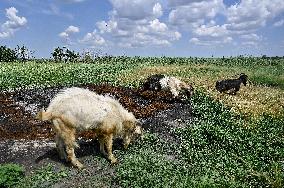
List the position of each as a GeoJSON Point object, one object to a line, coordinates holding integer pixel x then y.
{"type": "Point", "coordinates": [217, 150]}
{"type": "Point", "coordinates": [32, 74]}
{"type": "Point", "coordinates": [263, 94]}
{"type": "Point", "coordinates": [111, 69]}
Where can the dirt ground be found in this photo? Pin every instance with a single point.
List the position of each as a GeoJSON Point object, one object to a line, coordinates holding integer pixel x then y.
{"type": "Point", "coordinates": [29, 142]}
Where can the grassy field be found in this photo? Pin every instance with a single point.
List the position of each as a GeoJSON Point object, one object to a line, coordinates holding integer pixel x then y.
{"type": "Point", "coordinates": [264, 93]}
{"type": "Point", "coordinates": [234, 141]}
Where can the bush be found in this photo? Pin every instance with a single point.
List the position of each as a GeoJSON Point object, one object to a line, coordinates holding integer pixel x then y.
{"type": "Point", "coordinates": [64, 54]}
{"type": "Point", "coordinates": [23, 53]}
{"type": "Point", "coordinates": [45, 176]}
{"type": "Point", "coordinates": [10, 174]}
{"type": "Point", "coordinates": [7, 54]}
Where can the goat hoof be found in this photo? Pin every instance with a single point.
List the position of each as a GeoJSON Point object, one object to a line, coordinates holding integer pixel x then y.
{"type": "Point", "coordinates": [78, 165]}
{"type": "Point", "coordinates": [113, 161]}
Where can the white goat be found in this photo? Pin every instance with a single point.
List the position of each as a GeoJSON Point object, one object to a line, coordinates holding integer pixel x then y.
{"type": "Point", "coordinates": [175, 86]}
{"type": "Point", "coordinates": [159, 82]}
{"type": "Point", "coordinates": [77, 109]}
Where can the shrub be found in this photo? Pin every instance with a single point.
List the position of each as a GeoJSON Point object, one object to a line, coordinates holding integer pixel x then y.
{"type": "Point", "coordinates": [64, 54]}
{"type": "Point", "coordinates": [46, 176]}
{"type": "Point", "coordinates": [7, 54]}
{"type": "Point", "coordinates": [10, 174]}
{"type": "Point", "coordinates": [23, 53]}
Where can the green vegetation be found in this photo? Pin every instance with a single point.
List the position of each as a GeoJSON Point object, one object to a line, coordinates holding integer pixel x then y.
{"type": "Point", "coordinates": [21, 53]}
{"type": "Point", "coordinates": [64, 54]}
{"type": "Point", "coordinates": [10, 174]}
{"type": "Point", "coordinates": [233, 141]}
{"type": "Point", "coordinates": [218, 149]}
{"type": "Point", "coordinates": [7, 55]}
{"type": "Point", "coordinates": [264, 93]}
{"type": "Point", "coordinates": [267, 72]}
{"type": "Point", "coordinates": [33, 74]}
{"type": "Point", "coordinates": [43, 177]}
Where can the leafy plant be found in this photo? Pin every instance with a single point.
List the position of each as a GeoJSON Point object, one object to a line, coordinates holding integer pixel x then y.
{"type": "Point", "coordinates": [7, 54]}
{"type": "Point", "coordinates": [10, 174]}
{"type": "Point", "coordinates": [218, 149]}
{"type": "Point", "coordinates": [23, 53]}
{"type": "Point", "coordinates": [64, 54]}
{"type": "Point", "coordinates": [43, 177]}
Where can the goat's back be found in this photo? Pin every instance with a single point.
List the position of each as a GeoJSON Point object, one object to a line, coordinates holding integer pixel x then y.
{"type": "Point", "coordinates": [170, 82]}
{"type": "Point", "coordinates": [86, 109]}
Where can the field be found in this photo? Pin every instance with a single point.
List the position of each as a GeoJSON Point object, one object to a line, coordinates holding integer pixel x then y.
{"type": "Point", "coordinates": [212, 140]}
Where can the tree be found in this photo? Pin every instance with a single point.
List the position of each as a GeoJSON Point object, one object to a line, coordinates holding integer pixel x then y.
{"type": "Point", "coordinates": [58, 54]}
{"type": "Point", "coordinates": [23, 53]}
{"type": "Point", "coordinates": [7, 54]}
{"type": "Point", "coordinates": [64, 54]}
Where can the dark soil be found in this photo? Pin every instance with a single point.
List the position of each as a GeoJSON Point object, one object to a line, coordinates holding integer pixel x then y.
{"type": "Point", "coordinates": [29, 142]}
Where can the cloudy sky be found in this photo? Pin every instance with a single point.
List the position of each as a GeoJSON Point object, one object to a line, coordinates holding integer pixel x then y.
{"type": "Point", "coordinates": [145, 27]}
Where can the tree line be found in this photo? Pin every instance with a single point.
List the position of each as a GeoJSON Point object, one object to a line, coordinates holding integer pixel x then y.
{"type": "Point", "coordinates": [59, 54]}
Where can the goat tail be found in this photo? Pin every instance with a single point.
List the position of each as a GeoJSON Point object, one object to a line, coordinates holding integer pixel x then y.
{"type": "Point", "coordinates": [43, 115]}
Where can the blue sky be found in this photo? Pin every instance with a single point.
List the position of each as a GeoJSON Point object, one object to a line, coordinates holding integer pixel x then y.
{"type": "Point", "coordinates": [145, 27]}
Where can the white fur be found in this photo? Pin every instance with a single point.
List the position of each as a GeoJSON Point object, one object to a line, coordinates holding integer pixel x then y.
{"type": "Point", "coordinates": [86, 109]}
{"type": "Point", "coordinates": [80, 109]}
{"type": "Point", "coordinates": [171, 83]}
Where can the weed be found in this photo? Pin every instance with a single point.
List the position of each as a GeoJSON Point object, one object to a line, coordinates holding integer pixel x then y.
{"type": "Point", "coordinates": [43, 177]}
{"type": "Point", "coordinates": [10, 174]}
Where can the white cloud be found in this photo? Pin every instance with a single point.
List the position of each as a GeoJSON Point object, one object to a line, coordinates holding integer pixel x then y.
{"type": "Point", "coordinates": [251, 39]}
{"type": "Point", "coordinates": [139, 40]}
{"type": "Point", "coordinates": [252, 14]}
{"type": "Point", "coordinates": [249, 43]}
{"type": "Point", "coordinates": [212, 31]}
{"type": "Point", "coordinates": [72, 29]}
{"type": "Point", "coordinates": [136, 9]}
{"type": "Point", "coordinates": [210, 42]}
{"type": "Point", "coordinates": [194, 40]}
{"type": "Point", "coordinates": [279, 23]}
{"type": "Point", "coordinates": [211, 34]}
{"type": "Point", "coordinates": [188, 14]}
{"type": "Point", "coordinates": [107, 26]}
{"type": "Point", "coordinates": [241, 21]}
{"type": "Point", "coordinates": [251, 36]}
{"type": "Point", "coordinates": [174, 3]}
{"type": "Point", "coordinates": [157, 26]}
{"type": "Point", "coordinates": [151, 33]}
{"type": "Point", "coordinates": [93, 39]}
{"type": "Point", "coordinates": [135, 23]}
{"type": "Point", "coordinates": [65, 35]}
{"type": "Point", "coordinates": [157, 10]}
{"type": "Point", "coordinates": [13, 23]}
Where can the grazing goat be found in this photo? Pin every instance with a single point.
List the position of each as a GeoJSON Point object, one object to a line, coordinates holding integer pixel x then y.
{"type": "Point", "coordinates": [159, 82]}
{"type": "Point", "coordinates": [75, 109]}
{"type": "Point", "coordinates": [153, 83]}
{"type": "Point", "coordinates": [231, 84]}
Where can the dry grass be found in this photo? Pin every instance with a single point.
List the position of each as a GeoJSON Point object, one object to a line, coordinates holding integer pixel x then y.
{"type": "Point", "coordinates": [252, 100]}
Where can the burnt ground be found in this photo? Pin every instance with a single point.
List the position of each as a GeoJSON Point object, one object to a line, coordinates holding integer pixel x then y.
{"type": "Point", "coordinates": [29, 142]}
